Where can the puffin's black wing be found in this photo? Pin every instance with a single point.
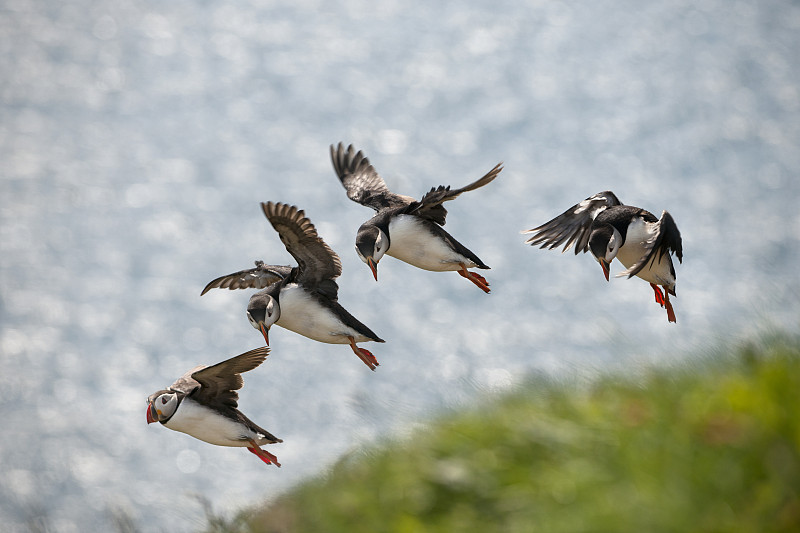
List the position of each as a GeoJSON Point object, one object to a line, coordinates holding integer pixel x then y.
{"type": "Point", "coordinates": [430, 206]}
{"type": "Point", "coordinates": [219, 383]}
{"type": "Point", "coordinates": [573, 224]}
{"type": "Point", "coordinates": [665, 239]}
{"type": "Point", "coordinates": [362, 182]}
{"type": "Point", "coordinates": [317, 264]}
{"type": "Point", "coordinates": [261, 276]}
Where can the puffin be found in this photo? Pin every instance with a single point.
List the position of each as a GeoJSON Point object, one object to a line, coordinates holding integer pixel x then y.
{"type": "Point", "coordinates": [203, 403]}
{"type": "Point", "coordinates": [643, 243]}
{"type": "Point", "coordinates": [404, 228]}
{"type": "Point", "coordinates": [304, 298]}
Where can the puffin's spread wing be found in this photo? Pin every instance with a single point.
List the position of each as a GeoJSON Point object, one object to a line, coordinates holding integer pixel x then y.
{"type": "Point", "coordinates": [316, 262]}
{"type": "Point", "coordinates": [665, 239]}
{"type": "Point", "coordinates": [219, 383]}
{"type": "Point", "coordinates": [362, 182]}
{"type": "Point", "coordinates": [573, 224]}
{"type": "Point", "coordinates": [430, 206]}
{"type": "Point", "coordinates": [253, 278]}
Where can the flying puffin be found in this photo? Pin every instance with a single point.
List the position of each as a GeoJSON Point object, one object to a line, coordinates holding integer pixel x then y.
{"type": "Point", "coordinates": [404, 228]}
{"type": "Point", "coordinates": [203, 403]}
{"type": "Point", "coordinates": [304, 298]}
{"type": "Point", "coordinates": [641, 242]}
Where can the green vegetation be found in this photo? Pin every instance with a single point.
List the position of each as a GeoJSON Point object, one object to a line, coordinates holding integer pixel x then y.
{"type": "Point", "coordinates": [710, 447]}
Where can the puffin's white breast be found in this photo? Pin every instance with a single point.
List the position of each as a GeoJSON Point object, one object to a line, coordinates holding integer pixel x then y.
{"type": "Point", "coordinates": [207, 425]}
{"type": "Point", "coordinates": [412, 242]}
{"type": "Point", "coordinates": [639, 232]}
{"type": "Point", "coordinates": [303, 314]}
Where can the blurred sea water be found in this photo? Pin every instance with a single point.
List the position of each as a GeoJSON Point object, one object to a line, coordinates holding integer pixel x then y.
{"type": "Point", "coordinates": [137, 139]}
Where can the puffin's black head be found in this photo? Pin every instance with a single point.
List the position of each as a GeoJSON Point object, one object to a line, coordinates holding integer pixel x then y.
{"type": "Point", "coordinates": [262, 311]}
{"type": "Point", "coordinates": [604, 242]}
{"type": "Point", "coordinates": [371, 244]}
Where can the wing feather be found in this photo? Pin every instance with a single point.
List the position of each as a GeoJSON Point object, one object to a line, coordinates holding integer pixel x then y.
{"type": "Point", "coordinates": [219, 383]}
{"type": "Point", "coordinates": [362, 182]}
{"type": "Point", "coordinates": [260, 277]}
{"type": "Point", "coordinates": [573, 225]}
{"type": "Point", "coordinates": [430, 206]}
{"type": "Point", "coordinates": [316, 262]}
{"type": "Point", "coordinates": [666, 239]}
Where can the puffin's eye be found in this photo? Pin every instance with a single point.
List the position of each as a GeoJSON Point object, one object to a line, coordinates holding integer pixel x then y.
{"type": "Point", "coordinates": [163, 400]}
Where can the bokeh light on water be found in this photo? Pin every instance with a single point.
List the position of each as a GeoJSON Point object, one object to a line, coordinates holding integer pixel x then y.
{"type": "Point", "coordinates": [137, 141]}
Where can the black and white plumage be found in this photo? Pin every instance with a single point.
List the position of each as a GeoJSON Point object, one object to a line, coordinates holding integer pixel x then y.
{"type": "Point", "coordinates": [641, 242]}
{"type": "Point", "coordinates": [303, 299]}
{"type": "Point", "coordinates": [260, 277]}
{"type": "Point", "coordinates": [405, 228]}
{"type": "Point", "coordinates": [203, 403]}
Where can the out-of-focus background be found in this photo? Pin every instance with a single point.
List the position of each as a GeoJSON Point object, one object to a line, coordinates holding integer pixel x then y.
{"type": "Point", "coordinates": [136, 141]}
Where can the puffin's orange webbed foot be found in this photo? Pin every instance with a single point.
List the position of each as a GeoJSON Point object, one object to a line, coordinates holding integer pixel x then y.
{"type": "Point", "coordinates": [365, 355]}
{"type": "Point", "coordinates": [475, 278]}
{"type": "Point", "coordinates": [263, 454]}
{"type": "Point", "coordinates": [659, 295]}
{"type": "Point", "coordinates": [670, 312]}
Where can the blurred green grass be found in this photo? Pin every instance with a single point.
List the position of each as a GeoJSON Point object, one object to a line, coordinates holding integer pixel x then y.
{"type": "Point", "coordinates": [711, 446]}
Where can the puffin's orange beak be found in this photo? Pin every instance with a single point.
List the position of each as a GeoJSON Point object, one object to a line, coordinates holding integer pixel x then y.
{"type": "Point", "coordinates": [605, 265]}
{"type": "Point", "coordinates": [374, 267]}
{"type": "Point", "coordinates": [151, 417]}
{"type": "Point", "coordinates": [264, 331]}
